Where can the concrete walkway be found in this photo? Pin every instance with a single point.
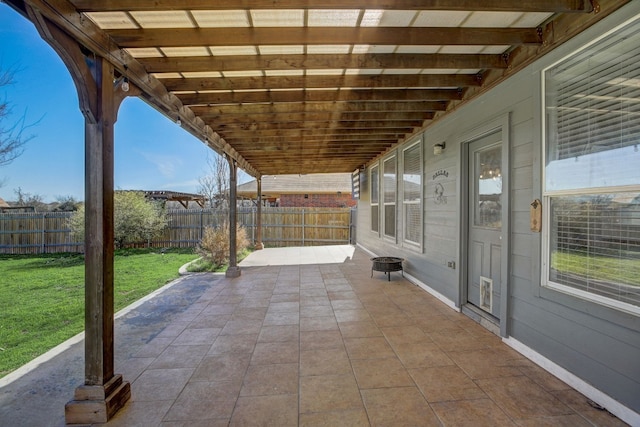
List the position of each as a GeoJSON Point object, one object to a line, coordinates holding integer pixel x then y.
{"type": "Point", "coordinates": [305, 337]}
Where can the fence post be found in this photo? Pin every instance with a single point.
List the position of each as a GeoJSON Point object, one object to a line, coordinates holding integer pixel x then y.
{"type": "Point", "coordinates": [253, 224]}
{"type": "Point", "coordinates": [43, 232]}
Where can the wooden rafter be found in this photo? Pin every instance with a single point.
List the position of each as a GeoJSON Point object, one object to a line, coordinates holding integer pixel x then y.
{"type": "Point", "coordinates": [317, 107]}
{"type": "Point", "coordinates": [294, 117]}
{"type": "Point", "coordinates": [319, 62]}
{"type": "Point", "coordinates": [315, 124]}
{"type": "Point", "coordinates": [565, 6]}
{"type": "Point", "coordinates": [185, 37]}
{"type": "Point", "coordinates": [382, 81]}
{"type": "Point", "coordinates": [334, 95]}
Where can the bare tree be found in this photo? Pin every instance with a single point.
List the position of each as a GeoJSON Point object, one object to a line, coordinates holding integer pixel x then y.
{"type": "Point", "coordinates": [12, 138]}
{"type": "Point", "coordinates": [29, 199]}
{"type": "Point", "coordinates": [215, 184]}
{"type": "Point", "coordinates": [66, 204]}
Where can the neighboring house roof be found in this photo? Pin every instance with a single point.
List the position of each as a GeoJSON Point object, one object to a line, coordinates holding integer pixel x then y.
{"type": "Point", "coordinates": [4, 204]}
{"type": "Point", "coordinates": [321, 183]}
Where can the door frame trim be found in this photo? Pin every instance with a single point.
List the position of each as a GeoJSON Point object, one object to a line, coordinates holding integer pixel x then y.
{"type": "Point", "coordinates": [501, 124]}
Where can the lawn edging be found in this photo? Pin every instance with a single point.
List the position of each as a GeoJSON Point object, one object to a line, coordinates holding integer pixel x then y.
{"type": "Point", "coordinates": [182, 271]}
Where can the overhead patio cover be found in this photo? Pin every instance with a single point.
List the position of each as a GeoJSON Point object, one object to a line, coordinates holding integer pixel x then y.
{"type": "Point", "coordinates": [288, 87]}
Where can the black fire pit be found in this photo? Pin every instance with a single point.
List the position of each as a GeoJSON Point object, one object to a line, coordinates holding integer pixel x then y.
{"type": "Point", "coordinates": [387, 264]}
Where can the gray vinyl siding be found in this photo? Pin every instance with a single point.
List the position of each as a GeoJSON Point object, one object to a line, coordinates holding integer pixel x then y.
{"type": "Point", "coordinates": [600, 345]}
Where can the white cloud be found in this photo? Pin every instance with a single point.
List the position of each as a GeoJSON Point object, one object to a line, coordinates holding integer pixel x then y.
{"type": "Point", "coordinates": [166, 165]}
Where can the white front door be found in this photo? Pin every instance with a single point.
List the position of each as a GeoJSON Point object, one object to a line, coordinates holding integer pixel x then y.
{"type": "Point", "coordinates": [484, 243]}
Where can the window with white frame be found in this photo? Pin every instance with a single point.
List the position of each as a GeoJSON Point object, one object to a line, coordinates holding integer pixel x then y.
{"type": "Point", "coordinates": [389, 185]}
{"type": "Point", "coordinates": [412, 193]}
{"type": "Point", "coordinates": [592, 171]}
{"type": "Point", "coordinates": [375, 199]}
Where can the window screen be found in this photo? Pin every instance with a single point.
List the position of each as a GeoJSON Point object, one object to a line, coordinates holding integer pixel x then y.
{"type": "Point", "coordinates": [375, 199]}
{"type": "Point", "coordinates": [389, 186]}
{"type": "Point", "coordinates": [412, 193]}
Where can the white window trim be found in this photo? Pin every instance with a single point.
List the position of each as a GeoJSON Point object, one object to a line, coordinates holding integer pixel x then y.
{"type": "Point", "coordinates": [547, 195]}
{"type": "Point", "coordinates": [394, 237]}
{"type": "Point", "coordinates": [416, 246]}
{"type": "Point", "coordinates": [376, 204]}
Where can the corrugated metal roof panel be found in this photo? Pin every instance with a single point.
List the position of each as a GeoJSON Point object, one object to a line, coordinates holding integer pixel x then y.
{"type": "Point", "coordinates": [163, 19]}
{"type": "Point", "coordinates": [277, 17]}
{"type": "Point", "coordinates": [440, 18]}
{"type": "Point", "coordinates": [112, 20]}
{"type": "Point", "coordinates": [281, 50]}
{"type": "Point", "coordinates": [333, 18]}
{"type": "Point", "coordinates": [185, 51]}
{"type": "Point", "coordinates": [221, 18]}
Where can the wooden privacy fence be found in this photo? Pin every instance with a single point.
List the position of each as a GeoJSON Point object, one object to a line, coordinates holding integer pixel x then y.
{"type": "Point", "coordinates": [49, 232]}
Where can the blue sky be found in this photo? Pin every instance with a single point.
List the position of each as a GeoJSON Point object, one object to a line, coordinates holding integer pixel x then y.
{"type": "Point", "coordinates": [151, 151]}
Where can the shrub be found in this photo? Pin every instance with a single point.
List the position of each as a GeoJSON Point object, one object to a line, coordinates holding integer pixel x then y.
{"type": "Point", "coordinates": [136, 219]}
{"type": "Point", "coordinates": [214, 246]}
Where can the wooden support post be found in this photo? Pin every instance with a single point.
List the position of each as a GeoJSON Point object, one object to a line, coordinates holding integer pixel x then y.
{"type": "Point", "coordinates": [258, 242]}
{"type": "Point", "coordinates": [233, 270]}
{"type": "Point", "coordinates": [103, 392]}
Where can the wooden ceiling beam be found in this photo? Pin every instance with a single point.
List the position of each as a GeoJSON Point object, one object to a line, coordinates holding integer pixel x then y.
{"type": "Point", "coordinates": [321, 96]}
{"type": "Point", "coordinates": [351, 148]}
{"type": "Point", "coordinates": [280, 166]}
{"type": "Point", "coordinates": [318, 133]}
{"type": "Point", "coordinates": [313, 134]}
{"type": "Point", "coordinates": [344, 146]}
{"type": "Point", "coordinates": [186, 37]}
{"type": "Point", "coordinates": [247, 122]}
{"type": "Point", "coordinates": [327, 155]}
{"type": "Point", "coordinates": [318, 107]}
{"type": "Point", "coordinates": [342, 138]}
{"type": "Point", "coordinates": [566, 6]}
{"type": "Point", "coordinates": [320, 62]}
{"type": "Point", "coordinates": [387, 81]}
{"type": "Point", "coordinates": [326, 124]}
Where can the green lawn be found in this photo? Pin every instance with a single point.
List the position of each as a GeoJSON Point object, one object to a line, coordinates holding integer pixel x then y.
{"type": "Point", "coordinates": [607, 269]}
{"type": "Point", "coordinates": [42, 297]}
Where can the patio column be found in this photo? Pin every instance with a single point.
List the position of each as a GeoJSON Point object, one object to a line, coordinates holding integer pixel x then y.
{"type": "Point", "coordinates": [233, 270]}
{"type": "Point", "coordinates": [103, 392]}
{"type": "Point", "coordinates": [258, 243]}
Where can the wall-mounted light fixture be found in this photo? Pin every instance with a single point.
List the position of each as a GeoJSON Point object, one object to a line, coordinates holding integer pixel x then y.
{"type": "Point", "coordinates": [125, 84]}
{"type": "Point", "coordinates": [179, 122]}
{"type": "Point", "coordinates": [439, 148]}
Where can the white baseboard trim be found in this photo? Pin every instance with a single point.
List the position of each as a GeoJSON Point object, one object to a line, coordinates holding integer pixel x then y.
{"type": "Point", "coordinates": [431, 291]}
{"type": "Point", "coordinates": [366, 250]}
{"type": "Point", "coordinates": [420, 284]}
{"type": "Point", "coordinates": [616, 408]}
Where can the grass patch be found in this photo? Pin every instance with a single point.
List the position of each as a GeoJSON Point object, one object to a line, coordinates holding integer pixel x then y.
{"type": "Point", "coordinates": [606, 269]}
{"type": "Point", "coordinates": [42, 296]}
{"type": "Point", "coordinates": [202, 265]}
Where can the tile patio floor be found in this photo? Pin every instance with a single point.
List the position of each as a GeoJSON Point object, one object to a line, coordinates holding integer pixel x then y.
{"type": "Point", "coordinates": [327, 345]}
